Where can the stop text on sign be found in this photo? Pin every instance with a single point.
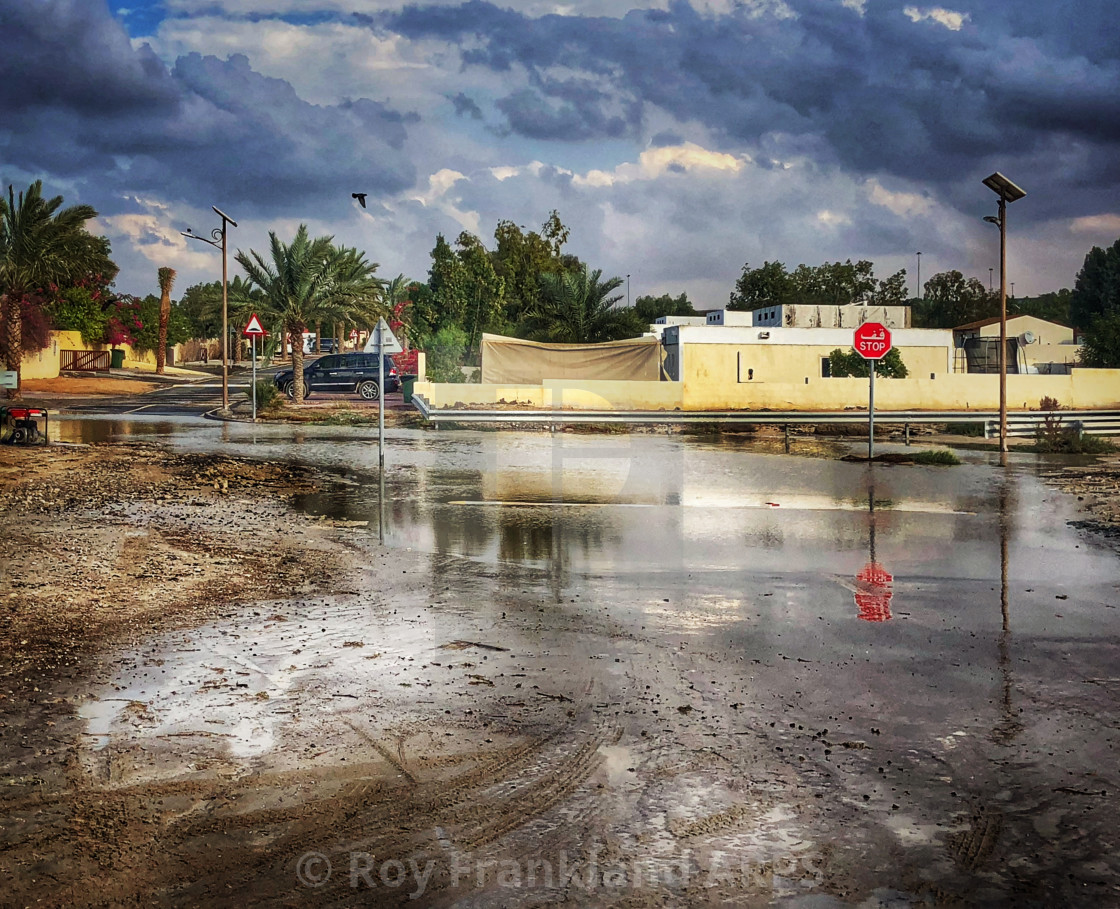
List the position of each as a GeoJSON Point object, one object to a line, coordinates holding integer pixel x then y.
{"type": "Point", "coordinates": [872, 340]}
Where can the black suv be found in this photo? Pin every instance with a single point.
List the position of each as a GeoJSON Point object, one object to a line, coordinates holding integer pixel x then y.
{"type": "Point", "coordinates": [352, 372]}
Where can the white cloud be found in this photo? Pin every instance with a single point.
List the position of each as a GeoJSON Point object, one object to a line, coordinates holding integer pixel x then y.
{"type": "Point", "coordinates": [858, 6]}
{"type": "Point", "coordinates": [832, 219]}
{"type": "Point", "coordinates": [948, 18]}
{"type": "Point", "coordinates": [901, 203]}
{"type": "Point", "coordinates": [438, 185]}
{"type": "Point", "coordinates": [152, 237]}
{"type": "Point", "coordinates": [756, 9]}
{"type": "Point", "coordinates": [325, 63]}
{"type": "Point", "coordinates": [655, 162]}
{"type": "Point", "coordinates": [1106, 224]}
{"type": "Point", "coordinates": [615, 8]}
{"type": "Point", "coordinates": [437, 196]}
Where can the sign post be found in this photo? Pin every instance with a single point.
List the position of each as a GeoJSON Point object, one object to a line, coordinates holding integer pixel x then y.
{"type": "Point", "coordinates": [872, 341]}
{"type": "Point", "coordinates": [384, 342]}
{"type": "Point", "coordinates": [253, 331]}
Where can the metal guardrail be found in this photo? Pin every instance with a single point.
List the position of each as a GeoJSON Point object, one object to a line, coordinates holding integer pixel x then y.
{"type": "Point", "coordinates": [1086, 422]}
{"type": "Point", "coordinates": [1099, 422]}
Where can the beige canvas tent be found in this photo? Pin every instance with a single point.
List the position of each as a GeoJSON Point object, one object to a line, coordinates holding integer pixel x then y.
{"type": "Point", "coordinates": [511, 361]}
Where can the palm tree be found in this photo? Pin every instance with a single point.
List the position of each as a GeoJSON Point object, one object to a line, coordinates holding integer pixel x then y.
{"type": "Point", "coordinates": [395, 293]}
{"type": "Point", "coordinates": [360, 295]}
{"type": "Point", "coordinates": [577, 307]}
{"type": "Point", "coordinates": [166, 279]}
{"type": "Point", "coordinates": [307, 280]}
{"type": "Point", "coordinates": [40, 245]}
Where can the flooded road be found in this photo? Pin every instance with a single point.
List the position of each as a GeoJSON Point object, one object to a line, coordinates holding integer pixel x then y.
{"type": "Point", "coordinates": [699, 672]}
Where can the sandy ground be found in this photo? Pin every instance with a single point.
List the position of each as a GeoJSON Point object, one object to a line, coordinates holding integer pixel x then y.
{"type": "Point", "coordinates": [94, 385]}
{"type": "Point", "coordinates": [1097, 487]}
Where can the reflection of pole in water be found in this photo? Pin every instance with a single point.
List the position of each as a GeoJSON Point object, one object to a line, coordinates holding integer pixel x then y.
{"type": "Point", "coordinates": [873, 592]}
{"type": "Point", "coordinates": [1009, 725]}
{"type": "Point", "coordinates": [381, 505]}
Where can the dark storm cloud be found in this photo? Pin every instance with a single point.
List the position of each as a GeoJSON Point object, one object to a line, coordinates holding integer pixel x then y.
{"type": "Point", "coordinates": [466, 107]}
{"type": "Point", "coordinates": [72, 55]}
{"type": "Point", "coordinates": [122, 123]}
{"type": "Point", "coordinates": [885, 93]}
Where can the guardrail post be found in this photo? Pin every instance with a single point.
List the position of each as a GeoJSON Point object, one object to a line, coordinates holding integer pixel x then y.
{"type": "Point", "coordinates": [906, 432]}
{"type": "Point", "coordinates": [787, 438]}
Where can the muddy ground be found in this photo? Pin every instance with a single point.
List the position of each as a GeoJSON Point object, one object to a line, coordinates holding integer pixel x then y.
{"type": "Point", "coordinates": [182, 725]}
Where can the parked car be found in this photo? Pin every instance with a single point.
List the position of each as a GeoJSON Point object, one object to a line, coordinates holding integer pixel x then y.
{"type": "Point", "coordinates": [346, 373]}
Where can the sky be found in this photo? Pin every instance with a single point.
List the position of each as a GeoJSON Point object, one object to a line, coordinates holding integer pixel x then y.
{"type": "Point", "coordinates": [679, 140]}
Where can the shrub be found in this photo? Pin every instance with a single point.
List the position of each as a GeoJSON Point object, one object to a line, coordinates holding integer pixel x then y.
{"type": "Point", "coordinates": [445, 355]}
{"type": "Point", "coordinates": [936, 456]}
{"type": "Point", "coordinates": [268, 395]}
{"type": "Point", "coordinates": [850, 364]}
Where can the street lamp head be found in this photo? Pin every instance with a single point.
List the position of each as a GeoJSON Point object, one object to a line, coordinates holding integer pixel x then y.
{"type": "Point", "coordinates": [992, 219]}
{"type": "Point", "coordinates": [1004, 188]}
{"type": "Point", "coordinates": [221, 214]}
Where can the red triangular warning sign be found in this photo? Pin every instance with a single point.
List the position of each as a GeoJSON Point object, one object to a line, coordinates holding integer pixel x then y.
{"type": "Point", "coordinates": [254, 328]}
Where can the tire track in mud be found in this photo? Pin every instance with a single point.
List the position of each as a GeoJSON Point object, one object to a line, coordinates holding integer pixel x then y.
{"type": "Point", "coordinates": [255, 851]}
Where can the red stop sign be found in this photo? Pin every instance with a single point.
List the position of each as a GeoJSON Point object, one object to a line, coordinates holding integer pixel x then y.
{"type": "Point", "coordinates": [872, 340]}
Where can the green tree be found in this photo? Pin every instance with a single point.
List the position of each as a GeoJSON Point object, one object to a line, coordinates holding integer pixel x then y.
{"type": "Point", "coordinates": [770, 285]}
{"type": "Point", "coordinates": [301, 283]}
{"type": "Point", "coordinates": [1053, 306]}
{"type": "Point", "coordinates": [41, 244]}
{"type": "Point", "coordinates": [147, 337]}
{"type": "Point", "coordinates": [166, 277]}
{"type": "Point", "coordinates": [951, 299]}
{"type": "Point", "coordinates": [830, 284]}
{"type": "Point", "coordinates": [891, 292]}
{"type": "Point", "coordinates": [577, 307]}
{"type": "Point", "coordinates": [484, 290]}
{"type": "Point", "coordinates": [447, 282]}
{"type": "Point", "coordinates": [1096, 291]}
{"type": "Point", "coordinates": [650, 309]}
{"type": "Point", "coordinates": [202, 305]}
{"type": "Point", "coordinates": [843, 364]}
{"type": "Point", "coordinates": [521, 258]}
{"type": "Point", "coordinates": [1100, 346]}
{"type": "Point", "coordinates": [75, 309]}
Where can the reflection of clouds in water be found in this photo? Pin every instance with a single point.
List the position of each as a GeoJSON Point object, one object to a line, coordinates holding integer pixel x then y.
{"type": "Point", "coordinates": [231, 690]}
{"type": "Point", "coordinates": [704, 502]}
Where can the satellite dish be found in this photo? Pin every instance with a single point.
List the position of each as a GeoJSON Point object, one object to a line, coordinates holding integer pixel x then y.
{"type": "Point", "coordinates": [1027, 337]}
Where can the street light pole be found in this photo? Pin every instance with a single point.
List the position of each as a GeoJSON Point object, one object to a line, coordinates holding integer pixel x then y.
{"type": "Point", "coordinates": [990, 280]}
{"type": "Point", "coordinates": [218, 241]}
{"type": "Point", "coordinates": [1007, 192]}
{"type": "Point", "coordinates": [918, 282]}
{"type": "Point", "coordinates": [627, 290]}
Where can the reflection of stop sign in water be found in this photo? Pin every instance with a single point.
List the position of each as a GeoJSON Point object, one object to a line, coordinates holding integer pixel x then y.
{"type": "Point", "coordinates": [872, 340]}
{"type": "Point", "coordinates": [873, 592]}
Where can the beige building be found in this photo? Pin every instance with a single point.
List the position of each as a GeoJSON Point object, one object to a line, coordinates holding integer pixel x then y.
{"type": "Point", "coordinates": [722, 354]}
{"type": "Point", "coordinates": [853, 315]}
{"type": "Point", "coordinates": [1039, 346]}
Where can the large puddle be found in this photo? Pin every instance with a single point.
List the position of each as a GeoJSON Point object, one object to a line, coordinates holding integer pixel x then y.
{"type": "Point", "coordinates": [923, 638]}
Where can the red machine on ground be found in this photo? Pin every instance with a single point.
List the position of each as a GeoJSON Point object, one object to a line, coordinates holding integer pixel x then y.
{"type": "Point", "coordinates": [22, 425]}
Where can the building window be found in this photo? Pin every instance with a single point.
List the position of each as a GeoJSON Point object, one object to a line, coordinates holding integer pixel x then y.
{"type": "Point", "coordinates": [826, 368]}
